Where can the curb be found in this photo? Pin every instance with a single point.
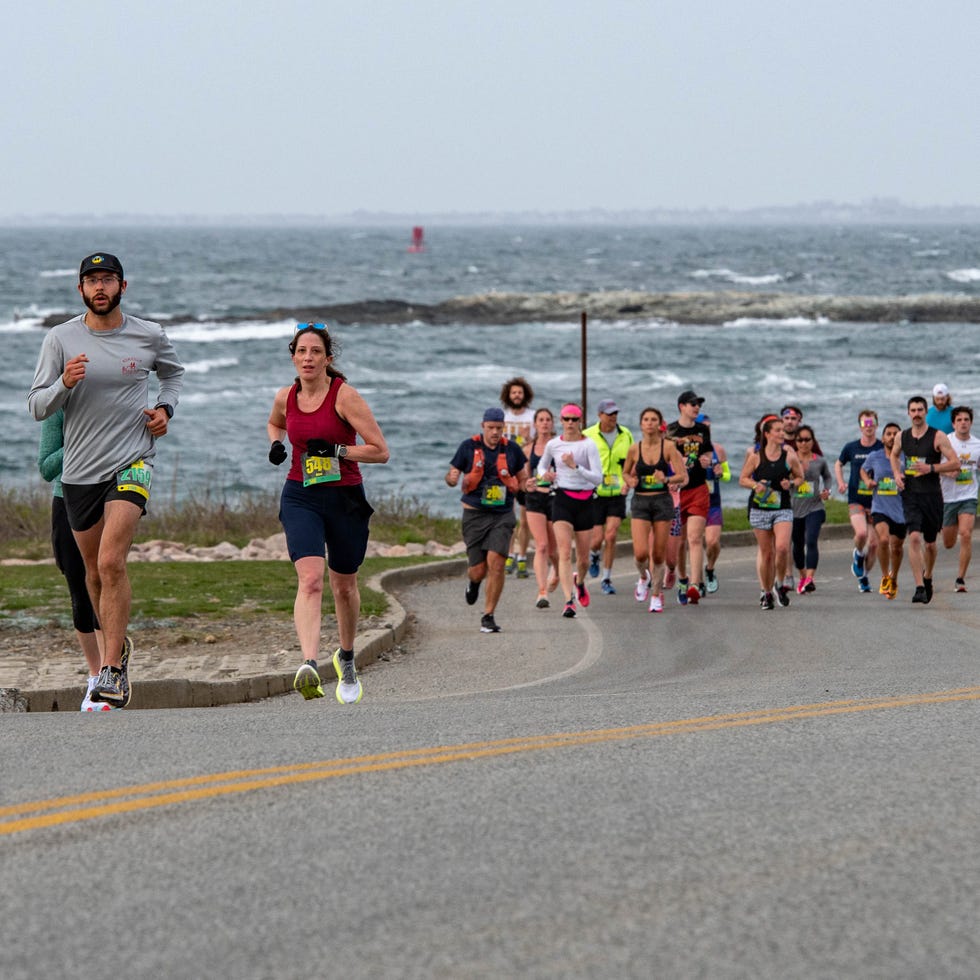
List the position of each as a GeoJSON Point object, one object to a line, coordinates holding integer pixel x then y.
{"type": "Point", "coordinates": [181, 693]}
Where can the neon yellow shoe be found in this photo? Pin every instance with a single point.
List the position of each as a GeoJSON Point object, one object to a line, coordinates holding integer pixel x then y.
{"type": "Point", "coordinates": [349, 688]}
{"type": "Point", "coordinates": [307, 681]}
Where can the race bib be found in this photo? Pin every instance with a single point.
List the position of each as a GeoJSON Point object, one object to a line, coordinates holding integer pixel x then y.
{"type": "Point", "coordinates": [965, 474]}
{"type": "Point", "coordinates": [319, 469]}
{"type": "Point", "coordinates": [887, 487]}
{"type": "Point", "coordinates": [863, 489]}
{"type": "Point", "coordinates": [611, 481]}
{"type": "Point", "coordinates": [135, 478]}
{"type": "Point", "coordinates": [652, 482]}
{"type": "Point", "coordinates": [767, 499]}
{"type": "Point", "coordinates": [805, 490]}
{"type": "Point", "coordinates": [910, 469]}
{"type": "Point", "coordinates": [494, 495]}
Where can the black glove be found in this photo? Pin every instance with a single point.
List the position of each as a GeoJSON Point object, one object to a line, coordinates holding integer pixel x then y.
{"type": "Point", "coordinates": [320, 447]}
{"type": "Point", "coordinates": [277, 453]}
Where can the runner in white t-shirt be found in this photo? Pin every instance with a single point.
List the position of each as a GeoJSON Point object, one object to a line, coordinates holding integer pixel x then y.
{"type": "Point", "coordinates": [960, 492]}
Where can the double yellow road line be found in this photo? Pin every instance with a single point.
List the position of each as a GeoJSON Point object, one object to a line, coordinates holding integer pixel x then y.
{"type": "Point", "coordinates": [90, 806]}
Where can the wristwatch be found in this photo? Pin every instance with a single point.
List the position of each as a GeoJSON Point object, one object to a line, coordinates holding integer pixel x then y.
{"type": "Point", "coordinates": [167, 408]}
{"type": "Point", "coordinates": [341, 452]}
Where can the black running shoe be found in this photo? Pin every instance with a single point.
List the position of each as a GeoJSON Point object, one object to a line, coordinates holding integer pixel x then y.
{"type": "Point", "coordinates": [782, 595]}
{"type": "Point", "coordinates": [927, 585]}
{"type": "Point", "coordinates": [488, 625]}
{"type": "Point", "coordinates": [920, 594]}
{"type": "Point", "coordinates": [472, 592]}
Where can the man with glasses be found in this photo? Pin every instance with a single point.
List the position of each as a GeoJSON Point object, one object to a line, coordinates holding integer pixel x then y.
{"type": "Point", "coordinates": [96, 367]}
{"type": "Point", "coordinates": [859, 495]}
{"type": "Point", "coordinates": [613, 442]}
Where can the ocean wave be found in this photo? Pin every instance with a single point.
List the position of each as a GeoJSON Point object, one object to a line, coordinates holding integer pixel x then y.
{"type": "Point", "coordinates": [209, 364]}
{"type": "Point", "coordinates": [737, 277]}
{"type": "Point", "coordinates": [22, 325]}
{"type": "Point", "coordinates": [964, 275]}
{"type": "Point", "coordinates": [207, 332]}
{"type": "Point", "coordinates": [790, 321]}
{"type": "Point", "coordinates": [57, 273]}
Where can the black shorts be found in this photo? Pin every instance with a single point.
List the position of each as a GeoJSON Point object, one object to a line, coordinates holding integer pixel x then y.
{"type": "Point", "coordinates": [895, 529]}
{"type": "Point", "coordinates": [578, 513]}
{"type": "Point", "coordinates": [604, 507]}
{"type": "Point", "coordinates": [924, 513]}
{"type": "Point", "coordinates": [538, 503]}
{"type": "Point", "coordinates": [85, 502]}
{"type": "Point", "coordinates": [323, 518]}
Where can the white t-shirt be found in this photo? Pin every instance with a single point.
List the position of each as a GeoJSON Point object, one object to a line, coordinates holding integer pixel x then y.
{"type": "Point", "coordinates": [962, 485]}
{"type": "Point", "coordinates": [517, 425]}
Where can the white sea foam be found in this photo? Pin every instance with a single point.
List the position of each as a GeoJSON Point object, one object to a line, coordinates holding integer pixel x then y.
{"type": "Point", "coordinates": [209, 364]}
{"type": "Point", "coordinates": [790, 321]}
{"type": "Point", "coordinates": [964, 275]}
{"type": "Point", "coordinates": [23, 325]}
{"type": "Point", "coordinates": [207, 332]}
{"type": "Point", "coordinates": [737, 277]}
{"type": "Point", "coordinates": [57, 273]}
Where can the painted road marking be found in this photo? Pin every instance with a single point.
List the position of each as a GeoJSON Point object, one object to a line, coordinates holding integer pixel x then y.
{"type": "Point", "coordinates": [103, 803]}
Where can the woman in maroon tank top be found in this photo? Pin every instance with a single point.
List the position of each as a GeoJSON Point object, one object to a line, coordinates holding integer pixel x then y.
{"type": "Point", "coordinates": [323, 509]}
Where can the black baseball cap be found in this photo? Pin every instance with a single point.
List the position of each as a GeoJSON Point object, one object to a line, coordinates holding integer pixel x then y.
{"type": "Point", "coordinates": [100, 262]}
{"type": "Point", "coordinates": [689, 398]}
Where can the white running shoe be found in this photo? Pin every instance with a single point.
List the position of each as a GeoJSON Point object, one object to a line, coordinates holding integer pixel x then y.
{"type": "Point", "coordinates": [349, 688]}
{"type": "Point", "coordinates": [642, 588]}
{"type": "Point", "coordinates": [88, 704]}
{"type": "Point", "coordinates": [656, 603]}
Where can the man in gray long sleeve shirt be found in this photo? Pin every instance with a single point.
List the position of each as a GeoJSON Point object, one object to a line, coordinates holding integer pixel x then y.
{"type": "Point", "coordinates": [96, 366]}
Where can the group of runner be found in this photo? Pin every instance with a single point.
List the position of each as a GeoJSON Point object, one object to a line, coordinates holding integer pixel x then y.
{"type": "Point", "coordinates": [570, 490]}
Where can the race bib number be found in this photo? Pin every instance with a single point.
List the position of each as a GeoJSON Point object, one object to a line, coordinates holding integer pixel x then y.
{"type": "Point", "coordinates": [805, 490]}
{"type": "Point", "coordinates": [319, 469]}
{"type": "Point", "coordinates": [767, 499]}
{"type": "Point", "coordinates": [611, 481]}
{"type": "Point", "coordinates": [135, 478]}
{"type": "Point", "coordinates": [494, 495]}
{"type": "Point", "coordinates": [651, 482]}
{"type": "Point", "coordinates": [965, 472]}
{"type": "Point", "coordinates": [863, 489]}
{"type": "Point", "coordinates": [910, 469]}
{"type": "Point", "coordinates": [887, 487]}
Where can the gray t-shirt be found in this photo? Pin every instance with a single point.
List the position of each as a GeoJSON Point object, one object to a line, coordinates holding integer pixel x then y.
{"type": "Point", "coordinates": [105, 428]}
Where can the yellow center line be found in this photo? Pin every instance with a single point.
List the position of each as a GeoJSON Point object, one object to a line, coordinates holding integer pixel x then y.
{"type": "Point", "coordinates": [101, 803]}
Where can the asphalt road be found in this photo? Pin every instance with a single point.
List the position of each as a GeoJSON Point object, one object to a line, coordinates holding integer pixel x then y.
{"type": "Point", "coordinates": [712, 792]}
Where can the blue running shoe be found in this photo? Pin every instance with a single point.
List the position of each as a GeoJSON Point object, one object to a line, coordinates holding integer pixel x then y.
{"type": "Point", "coordinates": [857, 564]}
{"type": "Point", "coordinates": [594, 557]}
{"type": "Point", "coordinates": [607, 587]}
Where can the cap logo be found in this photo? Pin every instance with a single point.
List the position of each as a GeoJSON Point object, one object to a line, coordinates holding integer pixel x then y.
{"type": "Point", "coordinates": [96, 259]}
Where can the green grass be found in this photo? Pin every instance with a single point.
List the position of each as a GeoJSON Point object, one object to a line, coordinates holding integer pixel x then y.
{"type": "Point", "coordinates": [168, 592]}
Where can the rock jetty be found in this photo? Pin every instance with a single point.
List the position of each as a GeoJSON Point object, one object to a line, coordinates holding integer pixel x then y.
{"type": "Point", "coordinates": [684, 308]}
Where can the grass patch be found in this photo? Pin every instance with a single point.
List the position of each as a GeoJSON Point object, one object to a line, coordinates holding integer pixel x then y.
{"type": "Point", "coordinates": [167, 592]}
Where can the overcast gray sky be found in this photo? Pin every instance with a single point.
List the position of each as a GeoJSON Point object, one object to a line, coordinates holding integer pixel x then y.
{"type": "Point", "coordinates": [321, 107]}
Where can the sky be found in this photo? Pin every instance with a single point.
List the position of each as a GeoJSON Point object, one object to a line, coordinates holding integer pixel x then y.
{"type": "Point", "coordinates": [316, 107]}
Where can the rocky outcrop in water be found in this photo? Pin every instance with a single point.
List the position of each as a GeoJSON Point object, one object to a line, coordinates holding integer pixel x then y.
{"type": "Point", "coordinates": [686, 308]}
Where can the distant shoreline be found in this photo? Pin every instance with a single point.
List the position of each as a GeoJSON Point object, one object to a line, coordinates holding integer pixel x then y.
{"type": "Point", "coordinates": [688, 308]}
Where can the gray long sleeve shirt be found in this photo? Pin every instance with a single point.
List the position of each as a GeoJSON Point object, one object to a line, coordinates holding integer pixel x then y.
{"type": "Point", "coordinates": [105, 427]}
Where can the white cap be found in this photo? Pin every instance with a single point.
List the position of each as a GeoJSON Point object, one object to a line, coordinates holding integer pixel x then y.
{"type": "Point", "coordinates": [940, 391]}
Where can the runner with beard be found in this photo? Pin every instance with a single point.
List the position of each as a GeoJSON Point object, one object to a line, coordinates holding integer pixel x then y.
{"type": "Point", "coordinates": [516, 396]}
{"type": "Point", "coordinates": [928, 455]}
{"type": "Point", "coordinates": [96, 367]}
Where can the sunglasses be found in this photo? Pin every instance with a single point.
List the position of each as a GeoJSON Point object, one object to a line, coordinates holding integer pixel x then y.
{"type": "Point", "coordinates": [571, 418]}
{"type": "Point", "coordinates": [804, 439]}
{"type": "Point", "coordinates": [308, 326]}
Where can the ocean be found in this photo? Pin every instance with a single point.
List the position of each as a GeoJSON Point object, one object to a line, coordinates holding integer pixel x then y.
{"type": "Point", "coordinates": [216, 287]}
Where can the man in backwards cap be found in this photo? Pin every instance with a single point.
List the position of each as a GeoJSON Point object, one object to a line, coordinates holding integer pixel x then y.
{"type": "Point", "coordinates": [96, 367]}
{"type": "Point", "coordinates": [492, 468]}
{"type": "Point", "coordinates": [693, 439]}
{"type": "Point", "coordinates": [940, 414]}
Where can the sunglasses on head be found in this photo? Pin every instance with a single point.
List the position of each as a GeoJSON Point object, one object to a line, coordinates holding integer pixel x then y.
{"type": "Point", "coordinates": [310, 326]}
